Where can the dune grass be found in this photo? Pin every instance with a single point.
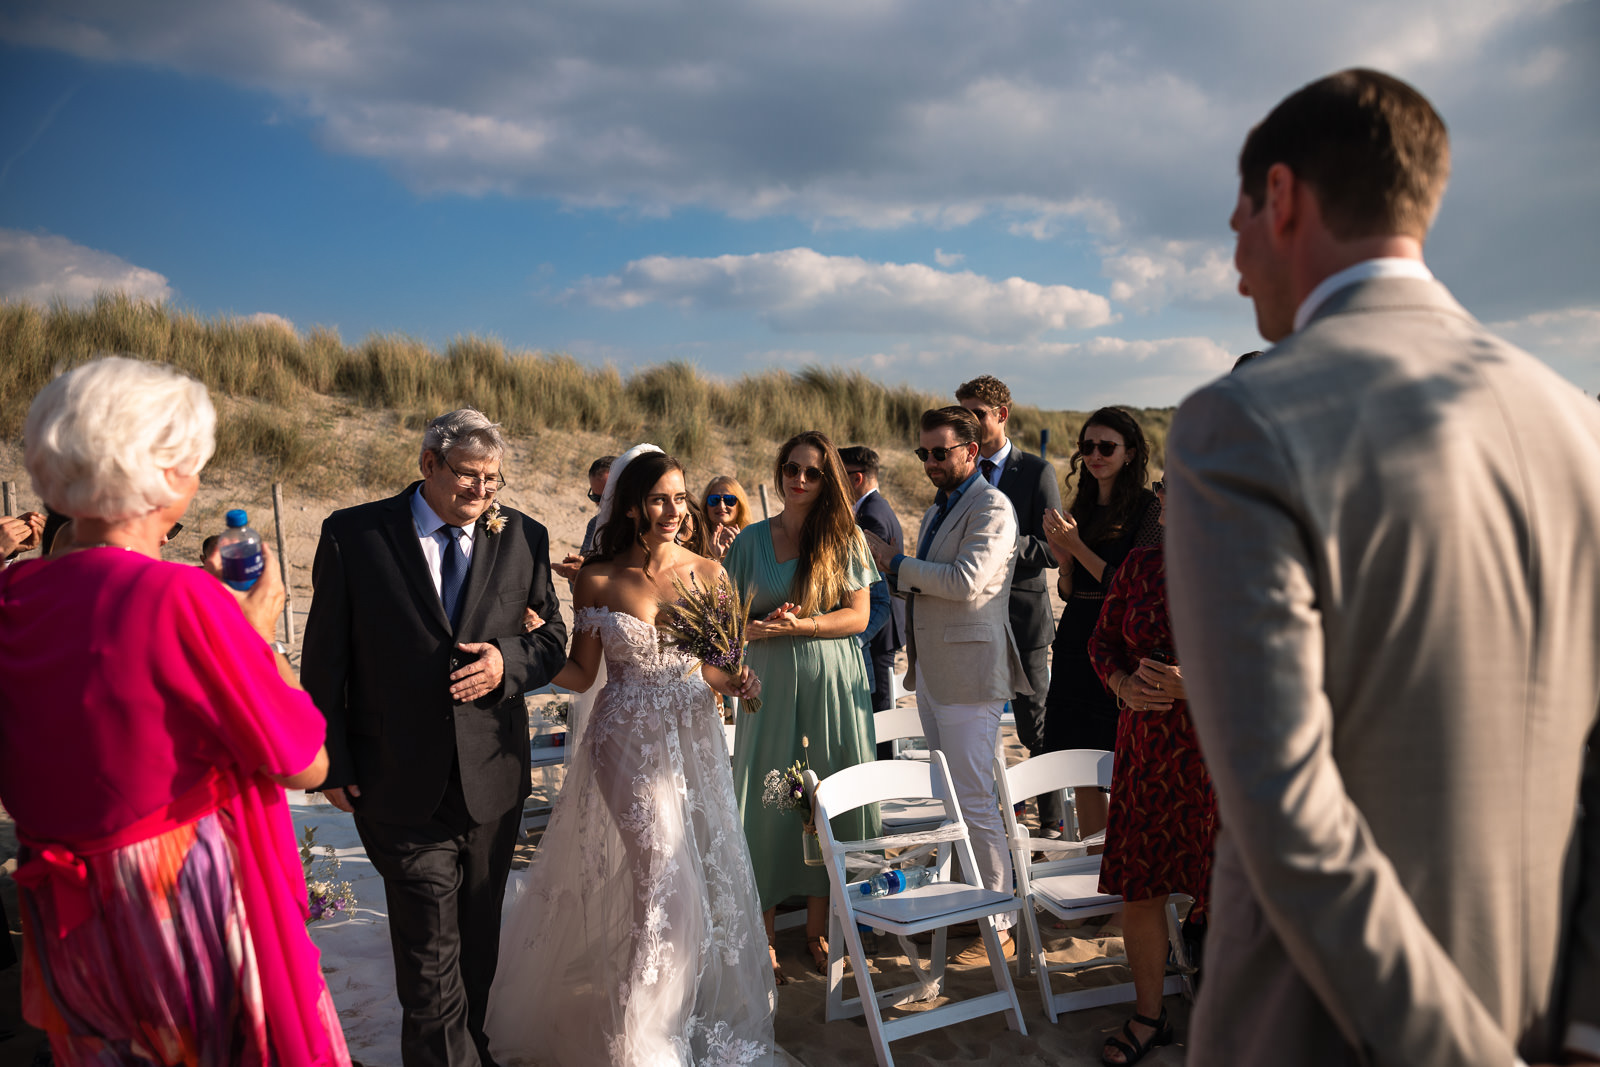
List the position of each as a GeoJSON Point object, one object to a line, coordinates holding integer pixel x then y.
{"type": "Point", "coordinates": [272, 378]}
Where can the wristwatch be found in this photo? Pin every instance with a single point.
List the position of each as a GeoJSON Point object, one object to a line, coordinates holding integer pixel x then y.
{"type": "Point", "coordinates": [280, 648]}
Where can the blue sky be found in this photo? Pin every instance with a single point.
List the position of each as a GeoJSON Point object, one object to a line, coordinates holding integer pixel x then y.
{"type": "Point", "coordinates": [924, 191]}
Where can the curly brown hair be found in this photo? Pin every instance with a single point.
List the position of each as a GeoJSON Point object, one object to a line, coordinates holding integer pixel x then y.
{"type": "Point", "coordinates": [987, 388]}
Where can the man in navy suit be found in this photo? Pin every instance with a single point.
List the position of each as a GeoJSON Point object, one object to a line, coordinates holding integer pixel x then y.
{"type": "Point", "coordinates": [874, 515]}
{"type": "Point", "coordinates": [1029, 482]}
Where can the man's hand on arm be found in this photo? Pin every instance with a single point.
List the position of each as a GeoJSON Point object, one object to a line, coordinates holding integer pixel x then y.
{"type": "Point", "coordinates": [480, 677]}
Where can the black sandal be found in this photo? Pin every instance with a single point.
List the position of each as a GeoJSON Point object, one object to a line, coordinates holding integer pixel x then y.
{"type": "Point", "coordinates": [1132, 1051]}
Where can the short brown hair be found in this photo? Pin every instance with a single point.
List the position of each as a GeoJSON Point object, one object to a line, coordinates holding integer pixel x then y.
{"type": "Point", "coordinates": [958, 418]}
{"type": "Point", "coordinates": [1373, 150]}
{"type": "Point", "coordinates": [987, 388]}
{"type": "Point", "coordinates": [862, 458]}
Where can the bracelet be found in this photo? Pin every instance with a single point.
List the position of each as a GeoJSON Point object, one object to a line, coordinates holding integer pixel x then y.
{"type": "Point", "coordinates": [816, 626]}
{"type": "Point", "coordinates": [1117, 692]}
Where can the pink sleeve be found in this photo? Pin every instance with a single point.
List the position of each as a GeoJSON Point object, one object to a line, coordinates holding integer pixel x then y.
{"type": "Point", "coordinates": [231, 676]}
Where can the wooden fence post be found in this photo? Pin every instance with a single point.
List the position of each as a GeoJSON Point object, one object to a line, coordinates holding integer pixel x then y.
{"type": "Point", "coordinates": [283, 565]}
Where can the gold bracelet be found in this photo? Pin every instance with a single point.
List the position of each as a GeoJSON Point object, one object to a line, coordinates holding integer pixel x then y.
{"type": "Point", "coordinates": [816, 626]}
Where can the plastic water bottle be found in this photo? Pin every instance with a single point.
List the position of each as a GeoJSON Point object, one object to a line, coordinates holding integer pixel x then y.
{"type": "Point", "coordinates": [898, 880]}
{"type": "Point", "coordinates": [240, 546]}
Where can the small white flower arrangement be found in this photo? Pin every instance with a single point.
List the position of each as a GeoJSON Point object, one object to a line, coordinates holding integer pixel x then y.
{"type": "Point", "coordinates": [493, 521]}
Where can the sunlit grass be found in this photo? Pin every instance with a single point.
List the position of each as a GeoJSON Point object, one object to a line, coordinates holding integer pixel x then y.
{"type": "Point", "coordinates": [269, 379]}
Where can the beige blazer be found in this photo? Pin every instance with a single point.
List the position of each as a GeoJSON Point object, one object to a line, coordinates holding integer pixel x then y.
{"type": "Point", "coordinates": [957, 602]}
{"type": "Point", "coordinates": [1383, 564]}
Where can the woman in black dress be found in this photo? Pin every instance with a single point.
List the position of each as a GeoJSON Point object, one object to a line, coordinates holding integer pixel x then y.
{"type": "Point", "coordinates": [1112, 513]}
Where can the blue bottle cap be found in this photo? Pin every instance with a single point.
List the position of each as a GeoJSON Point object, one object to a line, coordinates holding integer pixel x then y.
{"type": "Point", "coordinates": [237, 517]}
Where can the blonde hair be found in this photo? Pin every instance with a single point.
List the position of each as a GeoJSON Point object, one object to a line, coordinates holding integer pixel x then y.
{"type": "Point", "coordinates": [99, 439]}
{"type": "Point", "coordinates": [741, 510]}
{"type": "Point", "coordinates": [828, 541]}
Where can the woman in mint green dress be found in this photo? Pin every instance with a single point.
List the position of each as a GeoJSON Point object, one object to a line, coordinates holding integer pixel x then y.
{"type": "Point", "coordinates": [809, 573]}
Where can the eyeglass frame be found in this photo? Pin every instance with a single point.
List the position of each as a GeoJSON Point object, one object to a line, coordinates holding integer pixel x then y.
{"type": "Point", "coordinates": [474, 481]}
{"type": "Point", "coordinates": [791, 469]}
{"type": "Point", "coordinates": [940, 453]}
{"type": "Point", "coordinates": [721, 500]}
{"type": "Point", "coordinates": [1106, 449]}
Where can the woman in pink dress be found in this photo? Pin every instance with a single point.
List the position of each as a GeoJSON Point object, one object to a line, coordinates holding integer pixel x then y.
{"type": "Point", "coordinates": [147, 732]}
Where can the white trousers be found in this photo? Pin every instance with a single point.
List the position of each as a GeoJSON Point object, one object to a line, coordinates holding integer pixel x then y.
{"type": "Point", "coordinates": [969, 737]}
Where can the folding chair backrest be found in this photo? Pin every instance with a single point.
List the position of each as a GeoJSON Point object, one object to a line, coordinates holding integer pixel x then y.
{"type": "Point", "coordinates": [873, 782]}
{"type": "Point", "coordinates": [1059, 770]}
{"type": "Point", "coordinates": [896, 723]}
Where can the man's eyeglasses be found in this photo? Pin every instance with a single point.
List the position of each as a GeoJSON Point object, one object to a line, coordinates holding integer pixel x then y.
{"type": "Point", "coordinates": [1087, 448]}
{"type": "Point", "coordinates": [939, 454]}
{"type": "Point", "coordinates": [177, 528]}
{"type": "Point", "coordinates": [594, 497]}
{"type": "Point", "coordinates": [491, 483]}
{"type": "Point", "coordinates": [794, 470]}
{"type": "Point", "coordinates": [728, 500]}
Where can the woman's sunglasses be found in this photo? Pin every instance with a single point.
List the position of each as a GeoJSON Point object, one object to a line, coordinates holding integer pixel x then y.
{"type": "Point", "coordinates": [794, 470]}
{"type": "Point", "coordinates": [1087, 448]}
{"type": "Point", "coordinates": [728, 500]}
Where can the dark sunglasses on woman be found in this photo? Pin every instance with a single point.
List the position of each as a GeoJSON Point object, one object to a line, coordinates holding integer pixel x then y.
{"type": "Point", "coordinates": [794, 470]}
{"type": "Point", "coordinates": [1087, 448]}
{"type": "Point", "coordinates": [728, 500]}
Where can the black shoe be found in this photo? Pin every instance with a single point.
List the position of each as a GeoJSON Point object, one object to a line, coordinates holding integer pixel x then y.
{"type": "Point", "coordinates": [1131, 1049]}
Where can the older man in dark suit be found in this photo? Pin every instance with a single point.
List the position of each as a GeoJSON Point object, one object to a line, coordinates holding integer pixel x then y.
{"type": "Point", "coordinates": [415, 651]}
{"type": "Point", "coordinates": [1385, 589]}
{"type": "Point", "coordinates": [1029, 482]}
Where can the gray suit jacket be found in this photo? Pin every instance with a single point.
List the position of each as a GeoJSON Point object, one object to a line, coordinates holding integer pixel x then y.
{"type": "Point", "coordinates": [957, 602]}
{"type": "Point", "coordinates": [1384, 580]}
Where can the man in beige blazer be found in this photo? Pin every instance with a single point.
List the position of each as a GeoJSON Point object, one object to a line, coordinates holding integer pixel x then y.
{"type": "Point", "coordinates": [1384, 579]}
{"type": "Point", "coordinates": [963, 658]}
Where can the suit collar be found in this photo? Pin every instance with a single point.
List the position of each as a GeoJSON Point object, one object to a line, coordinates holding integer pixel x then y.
{"type": "Point", "coordinates": [1370, 291]}
{"type": "Point", "coordinates": [400, 526]}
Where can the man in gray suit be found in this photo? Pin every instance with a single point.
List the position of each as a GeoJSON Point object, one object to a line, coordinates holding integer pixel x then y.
{"type": "Point", "coordinates": [962, 657]}
{"type": "Point", "coordinates": [1029, 482]}
{"type": "Point", "coordinates": [1385, 588]}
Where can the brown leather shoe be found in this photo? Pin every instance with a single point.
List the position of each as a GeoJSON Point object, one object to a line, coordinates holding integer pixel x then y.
{"type": "Point", "coordinates": [978, 952]}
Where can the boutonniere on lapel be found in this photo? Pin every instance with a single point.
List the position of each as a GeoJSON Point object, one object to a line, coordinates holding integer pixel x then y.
{"type": "Point", "coordinates": [493, 521]}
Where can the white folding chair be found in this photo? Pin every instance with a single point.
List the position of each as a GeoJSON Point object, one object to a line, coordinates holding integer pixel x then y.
{"type": "Point", "coordinates": [931, 907]}
{"type": "Point", "coordinates": [1069, 888]}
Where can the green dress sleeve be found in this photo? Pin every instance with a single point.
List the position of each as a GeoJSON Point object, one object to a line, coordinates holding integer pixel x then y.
{"type": "Point", "coordinates": [863, 572]}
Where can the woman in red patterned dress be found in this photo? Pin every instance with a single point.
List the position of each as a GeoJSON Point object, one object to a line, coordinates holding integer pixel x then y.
{"type": "Point", "coordinates": [1163, 815]}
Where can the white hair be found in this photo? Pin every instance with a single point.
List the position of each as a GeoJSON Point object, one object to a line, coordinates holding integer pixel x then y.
{"type": "Point", "coordinates": [467, 429]}
{"type": "Point", "coordinates": [99, 439]}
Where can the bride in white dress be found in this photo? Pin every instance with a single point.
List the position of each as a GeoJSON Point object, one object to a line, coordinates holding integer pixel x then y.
{"type": "Point", "coordinates": [637, 941]}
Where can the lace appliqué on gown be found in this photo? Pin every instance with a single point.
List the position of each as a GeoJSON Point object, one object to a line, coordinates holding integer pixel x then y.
{"type": "Point", "coordinates": [635, 939]}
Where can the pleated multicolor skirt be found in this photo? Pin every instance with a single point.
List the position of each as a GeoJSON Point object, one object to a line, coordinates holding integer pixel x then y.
{"type": "Point", "coordinates": [160, 969]}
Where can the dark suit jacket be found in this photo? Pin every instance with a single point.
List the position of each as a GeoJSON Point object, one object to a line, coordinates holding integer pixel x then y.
{"type": "Point", "coordinates": [878, 518]}
{"type": "Point", "coordinates": [377, 661]}
{"type": "Point", "coordinates": [1030, 484]}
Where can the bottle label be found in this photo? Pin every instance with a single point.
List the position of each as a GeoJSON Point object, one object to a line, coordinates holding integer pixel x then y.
{"type": "Point", "coordinates": [242, 571]}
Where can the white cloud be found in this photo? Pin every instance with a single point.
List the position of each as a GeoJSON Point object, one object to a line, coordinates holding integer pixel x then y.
{"type": "Point", "coordinates": [267, 318]}
{"type": "Point", "coordinates": [1568, 339]}
{"type": "Point", "coordinates": [883, 114]}
{"type": "Point", "coordinates": [947, 259]}
{"type": "Point", "coordinates": [802, 291]}
{"type": "Point", "coordinates": [42, 268]}
{"type": "Point", "coordinates": [1150, 277]}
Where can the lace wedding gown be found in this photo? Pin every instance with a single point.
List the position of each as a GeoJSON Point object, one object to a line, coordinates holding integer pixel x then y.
{"type": "Point", "coordinates": [636, 940]}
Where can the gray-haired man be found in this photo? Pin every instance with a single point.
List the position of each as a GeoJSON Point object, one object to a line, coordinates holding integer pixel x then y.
{"type": "Point", "coordinates": [415, 652]}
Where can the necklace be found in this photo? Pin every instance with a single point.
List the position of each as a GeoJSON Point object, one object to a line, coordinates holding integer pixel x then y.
{"type": "Point", "coordinates": [76, 547]}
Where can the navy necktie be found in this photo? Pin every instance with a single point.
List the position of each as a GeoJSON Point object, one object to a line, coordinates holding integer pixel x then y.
{"type": "Point", "coordinates": [987, 466]}
{"type": "Point", "coordinates": [452, 573]}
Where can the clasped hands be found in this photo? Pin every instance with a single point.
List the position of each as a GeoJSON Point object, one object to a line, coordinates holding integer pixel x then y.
{"type": "Point", "coordinates": [21, 533]}
{"type": "Point", "coordinates": [782, 621]}
{"type": "Point", "coordinates": [1154, 686]}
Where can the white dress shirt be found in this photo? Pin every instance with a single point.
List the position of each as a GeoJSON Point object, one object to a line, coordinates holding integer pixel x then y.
{"type": "Point", "coordinates": [999, 461]}
{"type": "Point", "coordinates": [1381, 267]}
{"type": "Point", "coordinates": [428, 526]}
